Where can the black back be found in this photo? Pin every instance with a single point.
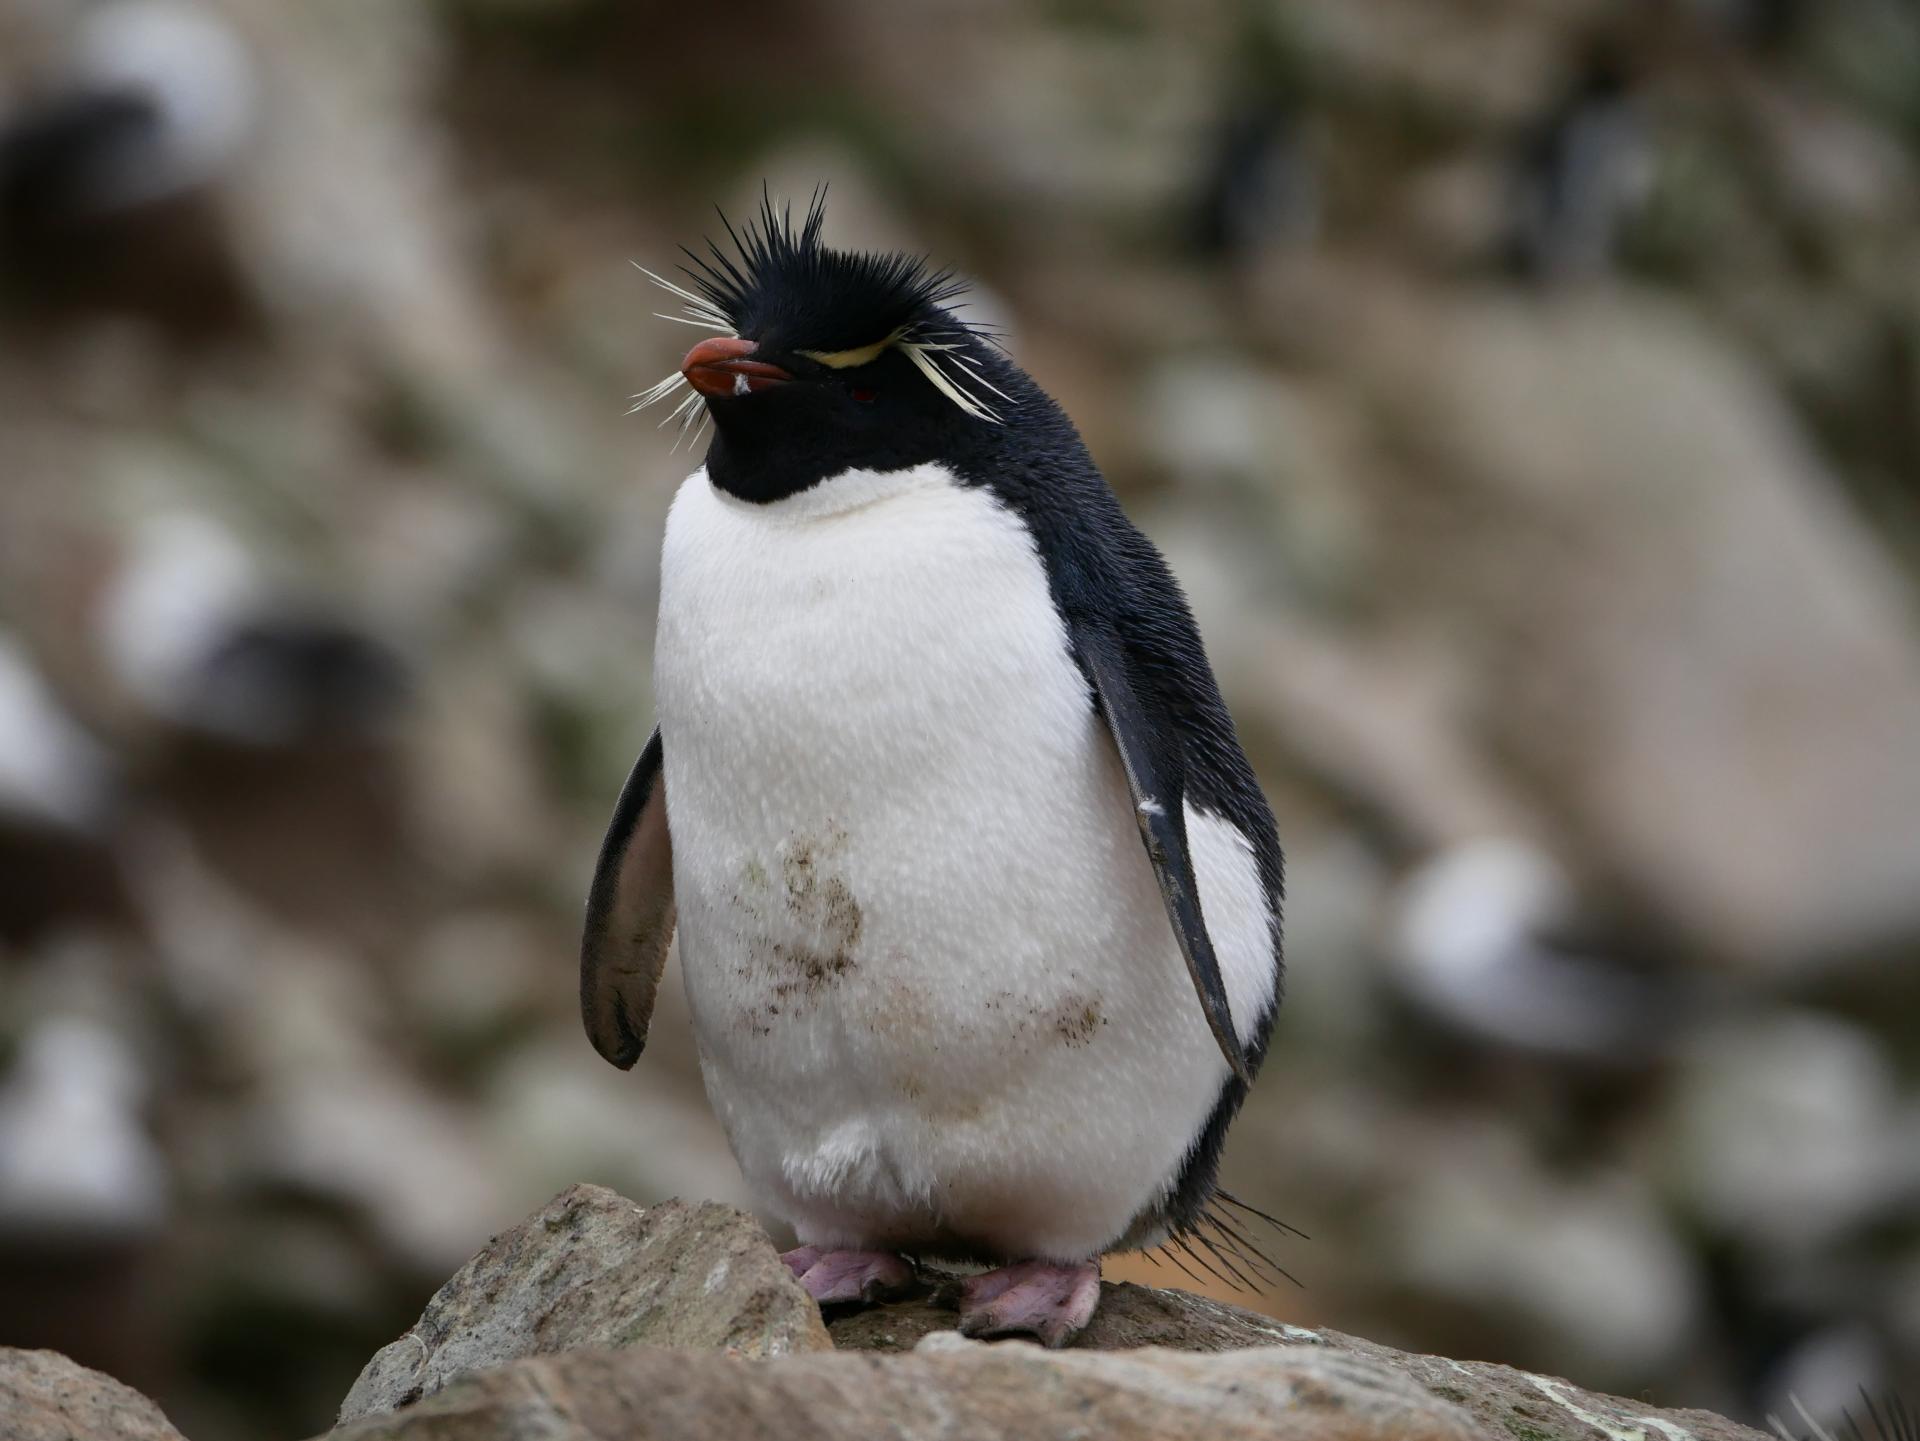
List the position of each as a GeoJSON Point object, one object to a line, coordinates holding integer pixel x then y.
{"type": "Point", "coordinates": [1100, 568]}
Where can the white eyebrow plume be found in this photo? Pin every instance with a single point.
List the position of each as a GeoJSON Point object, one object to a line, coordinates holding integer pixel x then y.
{"type": "Point", "coordinates": [948, 370]}
{"type": "Point", "coordinates": [700, 312]}
{"type": "Point", "coordinates": [926, 355]}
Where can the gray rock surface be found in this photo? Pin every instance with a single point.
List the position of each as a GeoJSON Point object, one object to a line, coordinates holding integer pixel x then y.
{"type": "Point", "coordinates": [1502, 1400]}
{"type": "Point", "coordinates": [597, 1318]}
{"type": "Point", "coordinates": [1631, 514]}
{"type": "Point", "coordinates": [946, 1388]}
{"type": "Point", "coordinates": [593, 1270]}
{"type": "Point", "coordinates": [679, 1321]}
{"type": "Point", "coordinates": [1326, 1387]}
{"type": "Point", "coordinates": [46, 1397]}
{"type": "Point", "coordinates": [1130, 1317]}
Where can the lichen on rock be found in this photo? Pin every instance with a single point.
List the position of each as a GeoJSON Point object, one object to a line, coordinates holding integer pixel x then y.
{"type": "Point", "coordinates": [592, 1269]}
{"type": "Point", "coordinates": [46, 1397]}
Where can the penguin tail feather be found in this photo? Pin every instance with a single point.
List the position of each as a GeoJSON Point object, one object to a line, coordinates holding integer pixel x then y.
{"type": "Point", "coordinates": [1217, 1241]}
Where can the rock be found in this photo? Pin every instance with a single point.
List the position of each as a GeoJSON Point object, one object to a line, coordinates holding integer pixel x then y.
{"type": "Point", "coordinates": [1496, 68]}
{"type": "Point", "coordinates": [1686, 642]}
{"type": "Point", "coordinates": [640, 1300]}
{"type": "Point", "coordinates": [52, 772]}
{"type": "Point", "coordinates": [1507, 1402]}
{"type": "Point", "coordinates": [1133, 1317]}
{"type": "Point", "coordinates": [947, 1388]}
{"type": "Point", "coordinates": [1532, 1266]}
{"type": "Point", "coordinates": [381, 1144]}
{"type": "Point", "coordinates": [592, 1269]}
{"type": "Point", "coordinates": [1129, 1317]}
{"type": "Point", "coordinates": [46, 1397]}
{"type": "Point", "coordinates": [76, 1161]}
{"type": "Point", "coordinates": [1789, 1083]}
{"type": "Point", "coordinates": [59, 790]}
{"type": "Point", "coordinates": [1330, 1388]}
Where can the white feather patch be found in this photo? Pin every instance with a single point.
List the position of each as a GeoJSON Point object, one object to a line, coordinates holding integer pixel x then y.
{"type": "Point", "coordinates": [935, 991]}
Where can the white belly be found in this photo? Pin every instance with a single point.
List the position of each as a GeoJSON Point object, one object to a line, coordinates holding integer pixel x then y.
{"type": "Point", "coordinates": [937, 999]}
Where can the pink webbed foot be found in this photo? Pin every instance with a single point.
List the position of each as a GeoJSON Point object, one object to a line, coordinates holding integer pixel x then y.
{"type": "Point", "coordinates": [1052, 1300]}
{"type": "Point", "coordinates": [834, 1278]}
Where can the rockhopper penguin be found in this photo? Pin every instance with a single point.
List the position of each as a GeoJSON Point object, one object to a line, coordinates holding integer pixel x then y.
{"type": "Point", "coordinates": [924, 692]}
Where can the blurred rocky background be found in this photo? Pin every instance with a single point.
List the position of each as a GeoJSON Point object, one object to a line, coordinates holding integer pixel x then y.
{"type": "Point", "coordinates": [1527, 391]}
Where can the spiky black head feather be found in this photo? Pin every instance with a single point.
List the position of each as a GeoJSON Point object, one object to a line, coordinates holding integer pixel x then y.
{"type": "Point", "coordinates": [788, 290]}
{"type": "Point", "coordinates": [829, 360]}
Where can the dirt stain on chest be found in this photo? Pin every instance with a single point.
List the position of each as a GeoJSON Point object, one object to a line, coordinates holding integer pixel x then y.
{"type": "Point", "coordinates": [813, 911]}
{"type": "Point", "coordinates": [1076, 1019]}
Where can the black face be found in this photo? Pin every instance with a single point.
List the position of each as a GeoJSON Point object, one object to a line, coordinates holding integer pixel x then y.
{"type": "Point", "coordinates": [829, 369]}
{"type": "Point", "coordinates": [884, 415]}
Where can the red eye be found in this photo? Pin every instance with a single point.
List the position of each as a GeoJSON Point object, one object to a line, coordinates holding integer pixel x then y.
{"type": "Point", "coordinates": [865, 397]}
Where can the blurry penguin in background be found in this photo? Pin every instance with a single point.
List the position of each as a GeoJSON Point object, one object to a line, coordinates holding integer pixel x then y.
{"type": "Point", "coordinates": [1578, 173]}
{"type": "Point", "coordinates": [1259, 191]}
{"type": "Point", "coordinates": [267, 721]}
{"type": "Point", "coordinates": [110, 170]}
{"type": "Point", "coordinates": [77, 1165]}
{"type": "Point", "coordinates": [203, 645]}
{"type": "Point", "coordinates": [1489, 944]}
{"type": "Point", "coordinates": [85, 1195]}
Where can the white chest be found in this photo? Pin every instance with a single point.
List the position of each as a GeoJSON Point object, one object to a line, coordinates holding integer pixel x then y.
{"type": "Point", "coordinates": [934, 989]}
{"type": "Point", "coordinates": [846, 651]}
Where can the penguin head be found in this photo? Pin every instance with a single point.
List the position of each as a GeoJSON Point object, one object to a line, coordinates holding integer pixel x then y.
{"type": "Point", "coordinates": [825, 361]}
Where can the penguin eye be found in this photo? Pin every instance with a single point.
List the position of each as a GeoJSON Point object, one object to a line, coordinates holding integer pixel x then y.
{"type": "Point", "coordinates": [863, 395]}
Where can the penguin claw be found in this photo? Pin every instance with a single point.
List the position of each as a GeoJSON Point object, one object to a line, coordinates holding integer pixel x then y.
{"type": "Point", "coordinates": [836, 1278]}
{"type": "Point", "coordinates": [1050, 1300]}
{"type": "Point", "coordinates": [801, 1258]}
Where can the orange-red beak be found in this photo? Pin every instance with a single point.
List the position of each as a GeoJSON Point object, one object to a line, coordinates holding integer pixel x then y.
{"type": "Point", "coordinates": [720, 367]}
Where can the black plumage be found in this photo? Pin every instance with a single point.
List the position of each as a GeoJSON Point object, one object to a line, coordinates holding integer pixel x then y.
{"type": "Point", "coordinates": [788, 290]}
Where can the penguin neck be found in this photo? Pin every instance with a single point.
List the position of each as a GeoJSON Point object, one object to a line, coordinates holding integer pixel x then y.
{"type": "Point", "coordinates": [841, 493]}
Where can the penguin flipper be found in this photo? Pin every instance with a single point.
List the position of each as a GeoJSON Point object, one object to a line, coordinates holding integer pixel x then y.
{"type": "Point", "coordinates": [1150, 755]}
{"type": "Point", "coordinates": [629, 916]}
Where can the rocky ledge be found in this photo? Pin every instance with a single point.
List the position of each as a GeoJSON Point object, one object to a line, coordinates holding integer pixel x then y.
{"type": "Point", "coordinates": [597, 1318]}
